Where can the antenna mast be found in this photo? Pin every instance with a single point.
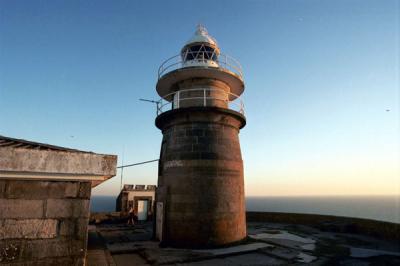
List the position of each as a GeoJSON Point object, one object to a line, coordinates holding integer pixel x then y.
{"type": "Point", "coordinates": [152, 101]}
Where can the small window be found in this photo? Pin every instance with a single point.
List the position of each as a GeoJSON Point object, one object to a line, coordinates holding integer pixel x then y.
{"type": "Point", "coordinates": [199, 52]}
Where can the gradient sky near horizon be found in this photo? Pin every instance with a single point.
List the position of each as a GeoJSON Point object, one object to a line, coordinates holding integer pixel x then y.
{"type": "Point", "coordinates": [321, 98]}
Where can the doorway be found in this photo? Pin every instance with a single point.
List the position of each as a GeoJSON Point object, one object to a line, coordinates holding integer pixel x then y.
{"type": "Point", "coordinates": [143, 208]}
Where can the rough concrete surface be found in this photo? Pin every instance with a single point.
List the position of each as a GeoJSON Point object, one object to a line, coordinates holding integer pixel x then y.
{"type": "Point", "coordinates": [51, 161]}
{"type": "Point", "coordinates": [127, 244]}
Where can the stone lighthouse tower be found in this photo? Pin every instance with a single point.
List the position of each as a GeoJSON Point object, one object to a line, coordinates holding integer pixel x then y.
{"type": "Point", "coordinates": [200, 196]}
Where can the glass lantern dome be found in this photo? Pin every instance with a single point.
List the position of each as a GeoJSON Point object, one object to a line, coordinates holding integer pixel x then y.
{"type": "Point", "coordinates": [200, 50]}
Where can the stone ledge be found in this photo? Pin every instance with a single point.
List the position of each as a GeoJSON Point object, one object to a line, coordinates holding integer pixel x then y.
{"type": "Point", "coordinates": [57, 162]}
{"type": "Point", "coordinates": [212, 115]}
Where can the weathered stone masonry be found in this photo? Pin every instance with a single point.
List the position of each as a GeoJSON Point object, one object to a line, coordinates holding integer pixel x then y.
{"type": "Point", "coordinates": [43, 222]}
{"type": "Point", "coordinates": [202, 168]}
{"type": "Point", "coordinates": [44, 201]}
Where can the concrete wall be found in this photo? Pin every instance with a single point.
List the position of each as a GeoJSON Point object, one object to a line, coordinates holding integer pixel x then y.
{"type": "Point", "coordinates": [122, 202]}
{"type": "Point", "coordinates": [201, 177]}
{"type": "Point", "coordinates": [125, 198]}
{"type": "Point", "coordinates": [132, 194]}
{"type": "Point", "coordinates": [43, 222]}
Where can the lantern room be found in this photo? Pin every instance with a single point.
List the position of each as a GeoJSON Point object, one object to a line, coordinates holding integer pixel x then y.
{"type": "Point", "coordinates": [200, 50]}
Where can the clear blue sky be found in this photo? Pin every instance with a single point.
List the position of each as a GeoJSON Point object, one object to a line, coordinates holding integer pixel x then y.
{"type": "Point", "coordinates": [319, 77]}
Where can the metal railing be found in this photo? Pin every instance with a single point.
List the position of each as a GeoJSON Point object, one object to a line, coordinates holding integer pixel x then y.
{"type": "Point", "coordinates": [179, 99]}
{"type": "Point", "coordinates": [224, 62]}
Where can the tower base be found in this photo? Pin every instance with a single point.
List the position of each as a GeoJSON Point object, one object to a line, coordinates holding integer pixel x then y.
{"type": "Point", "coordinates": [200, 195]}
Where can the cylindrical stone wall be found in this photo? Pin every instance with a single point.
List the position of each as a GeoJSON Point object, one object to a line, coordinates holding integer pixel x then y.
{"type": "Point", "coordinates": [201, 177]}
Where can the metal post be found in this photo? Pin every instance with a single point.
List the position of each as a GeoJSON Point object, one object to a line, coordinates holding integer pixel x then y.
{"type": "Point", "coordinates": [204, 94]}
{"type": "Point", "coordinates": [122, 170]}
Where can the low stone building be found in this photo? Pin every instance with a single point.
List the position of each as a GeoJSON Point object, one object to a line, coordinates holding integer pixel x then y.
{"type": "Point", "coordinates": [140, 197]}
{"type": "Point", "coordinates": [44, 201]}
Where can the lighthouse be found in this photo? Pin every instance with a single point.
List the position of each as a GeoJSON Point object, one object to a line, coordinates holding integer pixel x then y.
{"type": "Point", "coordinates": [200, 194]}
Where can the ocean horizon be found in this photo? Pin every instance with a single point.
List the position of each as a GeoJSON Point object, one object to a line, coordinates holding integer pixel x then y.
{"type": "Point", "coordinates": [382, 208]}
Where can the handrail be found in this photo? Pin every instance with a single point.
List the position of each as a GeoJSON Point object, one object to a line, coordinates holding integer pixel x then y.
{"type": "Point", "coordinates": [224, 61]}
{"type": "Point", "coordinates": [173, 100]}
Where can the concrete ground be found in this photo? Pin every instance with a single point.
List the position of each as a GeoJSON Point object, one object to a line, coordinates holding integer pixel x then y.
{"type": "Point", "coordinates": [267, 244]}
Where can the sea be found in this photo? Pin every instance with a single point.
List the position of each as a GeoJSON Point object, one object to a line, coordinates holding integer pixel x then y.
{"type": "Point", "coordinates": [382, 208]}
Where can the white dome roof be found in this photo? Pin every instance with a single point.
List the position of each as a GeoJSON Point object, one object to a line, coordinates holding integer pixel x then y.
{"type": "Point", "coordinates": [201, 35]}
